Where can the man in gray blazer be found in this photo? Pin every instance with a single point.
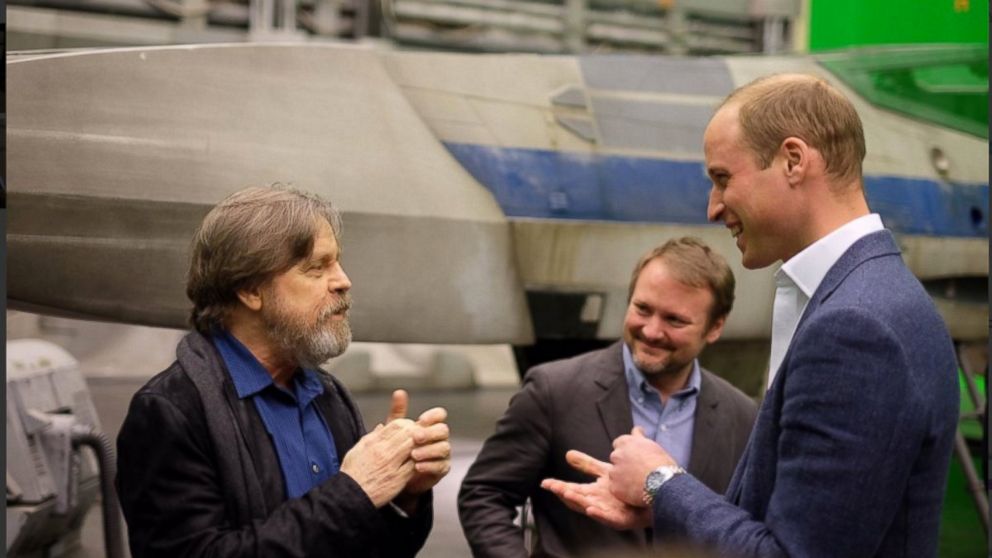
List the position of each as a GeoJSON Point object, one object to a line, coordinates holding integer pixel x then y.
{"type": "Point", "coordinates": [850, 452]}
{"type": "Point", "coordinates": [679, 297]}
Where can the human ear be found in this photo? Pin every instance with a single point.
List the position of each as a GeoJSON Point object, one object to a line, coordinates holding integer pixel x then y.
{"type": "Point", "coordinates": [796, 154]}
{"type": "Point", "coordinates": [715, 330]}
{"type": "Point", "coordinates": [251, 298]}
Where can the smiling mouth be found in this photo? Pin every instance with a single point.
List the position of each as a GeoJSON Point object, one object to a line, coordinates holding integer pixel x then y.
{"type": "Point", "coordinates": [735, 229]}
{"type": "Point", "coordinates": [654, 347]}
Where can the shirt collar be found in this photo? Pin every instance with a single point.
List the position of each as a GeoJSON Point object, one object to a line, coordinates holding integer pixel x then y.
{"type": "Point", "coordinates": [250, 377]}
{"type": "Point", "coordinates": [808, 268]}
{"type": "Point", "coordinates": [638, 385]}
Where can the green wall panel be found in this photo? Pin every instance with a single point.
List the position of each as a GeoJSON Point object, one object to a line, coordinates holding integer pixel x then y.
{"type": "Point", "coordinates": [843, 23]}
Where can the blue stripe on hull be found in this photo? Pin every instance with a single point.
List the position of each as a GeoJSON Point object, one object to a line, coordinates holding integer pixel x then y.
{"type": "Point", "coordinates": [555, 185]}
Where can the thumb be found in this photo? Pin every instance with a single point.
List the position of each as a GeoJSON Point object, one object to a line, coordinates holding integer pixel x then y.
{"type": "Point", "coordinates": [398, 407]}
{"type": "Point", "coordinates": [638, 432]}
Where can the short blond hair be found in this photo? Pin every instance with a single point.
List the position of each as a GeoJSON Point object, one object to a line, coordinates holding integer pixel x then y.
{"type": "Point", "coordinates": [776, 107]}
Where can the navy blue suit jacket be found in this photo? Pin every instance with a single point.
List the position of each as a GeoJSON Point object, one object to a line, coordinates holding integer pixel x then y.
{"type": "Point", "coordinates": [850, 451]}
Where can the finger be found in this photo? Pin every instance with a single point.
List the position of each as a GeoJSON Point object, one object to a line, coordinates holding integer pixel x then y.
{"type": "Point", "coordinates": [432, 416]}
{"type": "Point", "coordinates": [406, 469]}
{"type": "Point", "coordinates": [400, 427]}
{"type": "Point", "coordinates": [575, 498]}
{"type": "Point", "coordinates": [555, 486]}
{"type": "Point", "coordinates": [435, 451]}
{"type": "Point", "coordinates": [637, 432]}
{"type": "Point", "coordinates": [434, 468]}
{"type": "Point", "coordinates": [621, 440]}
{"type": "Point", "coordinates": [563, 491]}
{"type": "Point", "coordinates": [399, 405]}
{"type": "Point", "coordinates": [399, 432]}
{"type": "Point", "coordinates": [586, 463]}
{"type": "Point", "coordinates": [614, 520]}
{"type": "Point", "coordinates": [431, 434]}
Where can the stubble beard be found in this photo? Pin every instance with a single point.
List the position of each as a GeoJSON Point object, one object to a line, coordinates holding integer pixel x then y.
{"type": "Point", "coordinates": [310, 343]}
{"type": "Point", "coordinates": [655, 368]}
{"type": "Point", "coordinates": [658, 369]}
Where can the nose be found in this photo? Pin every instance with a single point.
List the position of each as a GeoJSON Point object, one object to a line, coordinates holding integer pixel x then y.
{"type": "Point", "coordinates": [715, 207]}
{"type": "Point", "coordinates": [338, 281]}
{"type": "Point", "coordinates": [654, 330]}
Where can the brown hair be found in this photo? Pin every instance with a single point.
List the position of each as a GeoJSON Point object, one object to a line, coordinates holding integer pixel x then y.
{"type": "Point", "coordinates": [695, 264]}
{"type": "Point", "coordinates": [245, 240]}
{"type": "Point", "coordinates": [780, 106]}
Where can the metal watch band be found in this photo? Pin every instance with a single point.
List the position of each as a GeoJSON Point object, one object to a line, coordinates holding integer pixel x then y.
{"type": "Point", "coordinates": [657, 478]}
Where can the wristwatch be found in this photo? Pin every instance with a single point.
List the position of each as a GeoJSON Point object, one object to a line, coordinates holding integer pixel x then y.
{"type": "Point", "coordinates": [658, 477]}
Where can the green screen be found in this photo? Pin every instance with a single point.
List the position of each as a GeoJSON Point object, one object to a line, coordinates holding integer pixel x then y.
{"type": "Point", "coordinates": [843, 23]}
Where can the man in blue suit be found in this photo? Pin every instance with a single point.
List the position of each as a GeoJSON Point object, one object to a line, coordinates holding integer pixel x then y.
{"type": "Point", "coordinates": [850, 451]}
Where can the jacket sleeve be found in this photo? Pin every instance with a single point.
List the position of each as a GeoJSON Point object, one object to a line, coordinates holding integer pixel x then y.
{"type": "Point", "coordinates": [509, 468]}
{"type": "Point", "coordinates": [171, 496]}
{"type": "Point", "coordinates": [844, 453]}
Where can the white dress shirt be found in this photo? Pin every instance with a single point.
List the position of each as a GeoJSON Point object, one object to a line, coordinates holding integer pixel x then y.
{"type": "Point", "coordinates": [798, 279]}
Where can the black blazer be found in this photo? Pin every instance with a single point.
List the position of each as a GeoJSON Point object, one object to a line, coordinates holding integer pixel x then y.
{"type": "Point", "coordinates": [581, 403]}
{"type": "Point", "coordinates": [199, 476]}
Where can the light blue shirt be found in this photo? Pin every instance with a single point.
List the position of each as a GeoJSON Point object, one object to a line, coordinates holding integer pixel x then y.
{"type": "Point", "coordinates": [669, 424]}
{"type": "Point", "coordinates": [302, 440]}
{"type": "Point", "coordinates": [798, 279]}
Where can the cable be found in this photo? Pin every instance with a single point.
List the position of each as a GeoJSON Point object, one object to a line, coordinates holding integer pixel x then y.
{"type": "Point", "coordinates": [104, 450]}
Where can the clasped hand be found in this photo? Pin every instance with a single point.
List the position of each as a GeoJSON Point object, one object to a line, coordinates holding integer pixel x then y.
{"type": "Point", "coordinates": [401, 459]}
{"type": "Point", "coordinates": [616, 496]}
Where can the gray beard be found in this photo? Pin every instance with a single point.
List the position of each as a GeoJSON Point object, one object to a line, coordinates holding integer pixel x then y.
{"type": "Point", "coordinates": [311, 345]}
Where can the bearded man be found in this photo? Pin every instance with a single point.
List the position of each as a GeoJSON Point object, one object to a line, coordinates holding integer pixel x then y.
{"type": "Point", "coordinates": [679, 297]}
{"type": "Point", "coordinates": [244, 446]}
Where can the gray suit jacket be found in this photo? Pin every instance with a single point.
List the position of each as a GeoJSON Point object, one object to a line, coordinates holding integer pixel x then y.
{"type": "Point", "coordinates": [850, 452]}
{"type": "Point", "coordinates": [580, 403]}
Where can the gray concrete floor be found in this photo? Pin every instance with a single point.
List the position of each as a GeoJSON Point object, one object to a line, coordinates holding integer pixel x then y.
{"type": "Point", "coordinates": [471, 416]}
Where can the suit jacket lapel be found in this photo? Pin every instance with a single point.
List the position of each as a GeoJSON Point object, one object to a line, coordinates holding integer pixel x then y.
{"type": "Point", "coordinates": [704, 431]}
{"type": "Point", "coordinates": [736, 485]}
{"type": "Point", "coordinates": [614, 403]}
{"type": "Point", "coordinates": [874, 245]}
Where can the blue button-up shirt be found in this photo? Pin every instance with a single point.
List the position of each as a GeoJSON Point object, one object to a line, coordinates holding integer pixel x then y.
{"type": "Point", "coordinates": [303, 441]}
{"type": "Point", "coordinates": [669, 424]}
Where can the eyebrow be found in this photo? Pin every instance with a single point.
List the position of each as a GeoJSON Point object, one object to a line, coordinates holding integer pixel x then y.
{"type": "Point", "coordinates": [322, 260]}
{"type": "Point", "coordinates": [679, 316]}
{"type": "Point", "coordinates": [710, 171]}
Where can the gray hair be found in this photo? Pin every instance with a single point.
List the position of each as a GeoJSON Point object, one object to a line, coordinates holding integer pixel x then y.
{"type": "Point", "coordinates": [247, 239]}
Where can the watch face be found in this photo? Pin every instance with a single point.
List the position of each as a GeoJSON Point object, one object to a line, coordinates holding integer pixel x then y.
{"type": "Point", "coordinates": [655, 479]}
